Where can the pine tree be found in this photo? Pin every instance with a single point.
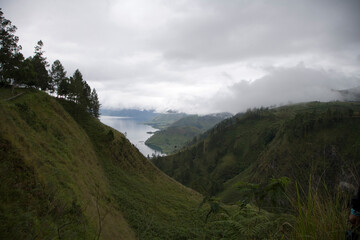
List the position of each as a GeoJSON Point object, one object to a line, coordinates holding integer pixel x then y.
{"type": "Point", "coordinates": [40, 64]}
{"type": "Point", "coordinates": [76, 86]}
{"type": "Point", "coordinates": [10, 56]}
{"type": "Point", "coordinates": [27, 74]}
{"type": "Point", "coordinates": [64, 88]}
{"type": "Point", "coordinates": [57, 74]}
{"type": "Point", "coordinates": [95, 104]}
{"type": "Point", "coordinates": [84, 99]}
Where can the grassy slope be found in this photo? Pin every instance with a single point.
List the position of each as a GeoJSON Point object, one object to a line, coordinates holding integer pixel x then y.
{"type": "Point", "coordinates": [181, 132]}
{"type": "Point", "coordinates": [316, 139]}
{"type": "Point", "coordinates": [63, 173]}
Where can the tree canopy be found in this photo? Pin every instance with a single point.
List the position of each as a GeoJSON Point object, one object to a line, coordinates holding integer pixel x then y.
{"type": "Point", "coordinates": [33, 71]}
{"type": "Point", "coordinates": [10, 55]}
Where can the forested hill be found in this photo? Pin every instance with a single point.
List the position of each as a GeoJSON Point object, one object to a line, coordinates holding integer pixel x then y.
{"type": "Point", "coordinates": [179, 133]}
{"type": "Point", "coordinates": [65, 175]}
{"type": "Point", "coordinates": [321, 140]}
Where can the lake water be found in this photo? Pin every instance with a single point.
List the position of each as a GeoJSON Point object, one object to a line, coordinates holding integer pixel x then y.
{"type": "Point", "coordinates": [135, 131]}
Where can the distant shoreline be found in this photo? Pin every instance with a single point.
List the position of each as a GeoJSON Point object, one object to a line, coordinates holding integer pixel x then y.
{"type": "Point", "coordinates": [107, 116]}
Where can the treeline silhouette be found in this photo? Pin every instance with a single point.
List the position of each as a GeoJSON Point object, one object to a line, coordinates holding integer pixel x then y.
{"type": "Point", "coordinates": [32, 72]}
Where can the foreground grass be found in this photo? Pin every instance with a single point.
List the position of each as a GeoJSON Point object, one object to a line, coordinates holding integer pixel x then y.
{"type": "Point", "coordinates": [320, 215]}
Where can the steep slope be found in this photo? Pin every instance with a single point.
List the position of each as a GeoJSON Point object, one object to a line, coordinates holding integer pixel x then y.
{"type": "Point", "coordinates": [318, 139]}
{"type": "Point", "coordinates": [65, 175]}
{"type": "Point", "coordinates": [181, 132]}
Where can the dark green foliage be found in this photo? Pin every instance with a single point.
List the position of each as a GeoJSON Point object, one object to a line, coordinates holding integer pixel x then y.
{"type": "Point", "coordinates": [78, 91]}
{"type": "Point", "coordinates": [295, 141]}
{"type": "Point", "coordinates": [32, 72]}
{"type": "Point", "coordinates": [271, 193]}
{"type": "Point", "coordinates": [58, 75]}
{"type": "Point", "coordinates": [246, 222]}
{"type": "Point", "coordinates": [214, 205]}
{"type": "Point", "coordinates": [243, 221]}
{"type": "Point", "coordinates": [43, 80]}
{"type": "Point", "coordinates": [181, 132]}
{"type": "Point", "coordinates": [94, 107]}
{"type": "Point", "coordinates": [27, 74]}
{"type": "Point", "coordinates": [76, 86]}
{"type": "Point", "coordinates": [10, 56]}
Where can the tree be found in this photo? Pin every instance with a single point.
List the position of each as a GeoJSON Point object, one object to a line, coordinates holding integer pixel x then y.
{"type": "Point", "coordinates": [27, 74]}
{"type": "Point", "coordinates": [76, 86]}
{"type": "Point", "coordinates": [10, 56]}
{"type": "Point", "coordinates": [94, 104]}
{"type": "Point", "coordinates": [80, 92]}
{"type": "Point", "coordinates": [84, 98]}
{"type": "Point", "coordinates": [40, 64]}
{"type": "Point", "coordinates": [57, 74]}
{"type": "Point", "coordinates": [64, 87]}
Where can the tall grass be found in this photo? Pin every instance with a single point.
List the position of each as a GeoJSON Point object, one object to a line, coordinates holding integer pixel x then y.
{"type": "Point", "coordinates": [320, 214]}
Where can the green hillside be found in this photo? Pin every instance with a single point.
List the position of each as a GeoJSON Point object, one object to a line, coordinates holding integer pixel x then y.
{"type": "Point", "coordinates": [179, 133]}
{"type": "Point", "coordinates": [164, 120]}
{"type": "Point", "coordinates": [65, 175]}
{"type": "Point", "coordinates": [320, 140]}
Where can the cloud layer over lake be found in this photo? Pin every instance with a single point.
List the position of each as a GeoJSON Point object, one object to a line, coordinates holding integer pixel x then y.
{"type": "Point", "coordinates": [198, 55]}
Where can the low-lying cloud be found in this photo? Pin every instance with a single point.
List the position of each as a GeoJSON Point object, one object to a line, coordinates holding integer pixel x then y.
{"type": "Point", "coordinates": [283, 86]}
{"type": "Point", "coordinates": [191, 55]}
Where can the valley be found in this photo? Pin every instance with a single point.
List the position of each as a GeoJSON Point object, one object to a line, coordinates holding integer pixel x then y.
{"type": "Point", "coordinates": [61, 167]}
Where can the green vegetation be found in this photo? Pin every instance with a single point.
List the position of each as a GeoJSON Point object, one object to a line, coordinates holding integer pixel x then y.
{"type": "Point", "coordinates": [320, 215]}
{"type": "Point", "coordinates": [296, 141]}
{"type": "Point", "coordinates": [66, 175]}
{"type": "Point", "coordinates": [150, 201]}
{"type": "Point", "coordinates": [33, 73]}
{"type": "Point", "coordinates": [164, 120]}
{"type": "Point", "coordinates": [179, 133]}
{"type": "Point", "coordinates": [48, 179]}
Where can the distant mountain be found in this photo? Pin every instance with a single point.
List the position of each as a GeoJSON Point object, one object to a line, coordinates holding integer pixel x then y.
{"type": "Point", "coordinates": [317, 140]}
{"type": "Point", "coordinates": [139, 115]}
{"type": "Point", "coordinates": [352, 94]}
{"type": "Point", "coordinates": [164, 120]}
{"type": "Point", "coordinates": [183, 131]}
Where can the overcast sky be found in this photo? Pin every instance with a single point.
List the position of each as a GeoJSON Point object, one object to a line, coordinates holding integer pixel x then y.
{"type": "Point", "coordinates": [198, 56]}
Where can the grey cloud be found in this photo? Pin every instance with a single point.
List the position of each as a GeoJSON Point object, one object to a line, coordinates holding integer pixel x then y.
{"type": "Point", "coordinates": [236, 30]}
{"type": "Point", "coordinates": [128, 47]}
{"type": "Point", "coordinates": [284, 86]}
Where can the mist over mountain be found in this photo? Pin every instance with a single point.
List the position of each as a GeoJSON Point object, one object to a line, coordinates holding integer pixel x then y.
{"type": "Point", "coordinates": [283, 86]}
{"type": "Point", "coordinates": [352, 94]}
